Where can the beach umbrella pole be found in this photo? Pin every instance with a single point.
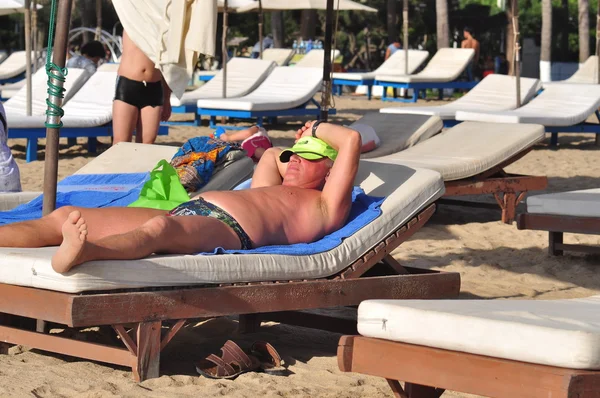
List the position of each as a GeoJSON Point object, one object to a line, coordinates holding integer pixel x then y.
{"type": "Point", "coordinates": [224, 48]}
{"type": "Point", "coordinates": [598, 56]}
{"type": "Point", "coordinates": [260, 27]}
{"type": "Point", "coordinates": [326, 88]}
{"type": "Point", "coordinates": [517, 57]}
{"type": "Point", "coordinates": [27, 17]}
{"type": "Point", "coordinates": [405, 31]}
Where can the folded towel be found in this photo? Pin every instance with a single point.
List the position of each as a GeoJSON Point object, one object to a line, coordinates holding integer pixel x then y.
{"type": "Point", "coordinates": [86, 190]}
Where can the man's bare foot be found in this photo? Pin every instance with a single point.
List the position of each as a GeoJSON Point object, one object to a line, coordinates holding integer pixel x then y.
{"type": "Point", "coordinates": [74, 232]}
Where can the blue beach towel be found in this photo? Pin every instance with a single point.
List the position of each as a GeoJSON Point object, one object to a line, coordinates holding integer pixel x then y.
{"type": "Point", "coordinates": [364, 209]}
{"type": "Point", "coordinates": [86, 190]}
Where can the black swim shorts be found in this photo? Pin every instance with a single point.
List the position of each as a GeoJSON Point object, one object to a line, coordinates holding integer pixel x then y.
{"type": "Point", "coordinates": [139, 94]}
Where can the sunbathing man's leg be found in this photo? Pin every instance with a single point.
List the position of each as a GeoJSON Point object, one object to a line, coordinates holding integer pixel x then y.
{"type": "Point", "coordinates": [125, 119]}
{"type": "Point", "coordinates": [162, 234]}
{"type": "Point", "coordinates": [148, 124]}
{"type": "Point", "coordinates": [47, 230]}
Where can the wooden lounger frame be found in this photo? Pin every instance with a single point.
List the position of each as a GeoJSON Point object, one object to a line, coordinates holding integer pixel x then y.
{"type": "Point", "coordinates": [147, 308]}
{"type": "Point", "coordinates": [508, 189]}
{"type": "Point", "coordinates": [557, 225]}
{"type": "Point", "coordinates": [428, 372]}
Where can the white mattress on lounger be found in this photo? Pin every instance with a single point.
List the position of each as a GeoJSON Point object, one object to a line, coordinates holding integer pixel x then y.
{"type": "Point", "coordinates": [14, 65]}
{"type": "Point", "coordinates": [394, 65]}
{"type": "Point", "coordinates": [315, 59]}
{"type": "Point", "coordinates": [557, 105]}
{"type": "Point", "coordinates": [468, 149]}
{"type": "Point", "coordinates": [563, 333]}
{"type": "Point", "coordinates": [446, 65]}
{"type": "Point", "coordinates": [584, 203]}
{"type": "Point", "coordinates": [91, 106]}
{"type": "Point", "coordinates": [286, 87]}
{"type": "Point", "coordinates": [281, 56]}
{"type": "Point", "coordinates": [243, 76]}
{"type": "Point", "coordinates": [407, 191]}
{"type": "Point", "coordinates": [586, 74]}
{"type": "Point", "coordinates": [495, 92]}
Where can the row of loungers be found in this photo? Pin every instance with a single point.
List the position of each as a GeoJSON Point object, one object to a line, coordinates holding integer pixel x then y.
{"type": "Point", "coordinates": [12, 69]}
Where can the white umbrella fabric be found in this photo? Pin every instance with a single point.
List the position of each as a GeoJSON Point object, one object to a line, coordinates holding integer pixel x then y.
{"type": "Point", "coordinates": [281, 5]}
{"type": "Point", "coordinates": [13, 6]}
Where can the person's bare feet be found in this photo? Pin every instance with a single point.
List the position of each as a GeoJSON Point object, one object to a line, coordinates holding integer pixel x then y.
{"type": "Point", "coordinates": [74, 232]}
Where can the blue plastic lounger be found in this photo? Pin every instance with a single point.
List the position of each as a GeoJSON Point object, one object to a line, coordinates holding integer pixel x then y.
{"type": "Point", "coordinates": [243, 76]}
{"type": "Point", "coordinates": [87, 114]}
{"type": "Point", "coordinates": [493, 93]}
{"type": "Point", "coordinates": [561, 108]}
{"type": "Point", "coordinates": [586, 74]}
{"type": "Point", "coordinates": [442, 71]}
{"type": "Point", "coordinates": [281, 56]}
{"type": "Point", "coordinates": [287, 91]}
{"type": "Point", "coordinates": [394, 65]}
{"type": "Point", "coordinates": [13, 68]}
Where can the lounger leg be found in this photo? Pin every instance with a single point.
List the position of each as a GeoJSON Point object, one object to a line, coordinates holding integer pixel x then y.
{"type": "Point", "coordinates": [369, 92]}
{"type": "Point", "coordinates": [508, 203]}
{"type": "Point", "coordinates": [415, 95]}
{"type": "Point", "coordinates": [249, 323]}
{"type": "Point", "coordinates": [71, 141]}
{"type": "Point", "coordinates": [420, 391]}
{"type": "Point", "coordinates": [554, 239]}
{"type": "Point", "coordinates": [396, 388]}
{"type": "Point", "coordinates": [554, 139]}
{"type": "Point", "coordinates": [259, 121]}
{"type": "Point", "coordinates": [213, 122]}
{"type": "Point", "coordinates": [148, 351]}
{"type": "Point", "coordinates": [92, 141]}
{"type": "Point", "coordinates": [31, 152]}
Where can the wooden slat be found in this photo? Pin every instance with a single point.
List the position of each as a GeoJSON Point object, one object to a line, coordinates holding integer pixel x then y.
{"type": "Point", "coordinates": [36, 303]}
{"type": "Point", "coordinates": [557, 223]}
{"type": "Point", "coordinates": [79, 349]}
{"type": "Point", "coordinates": [512, 183]}
{"type": "Point", "coordinates": [457, 371]}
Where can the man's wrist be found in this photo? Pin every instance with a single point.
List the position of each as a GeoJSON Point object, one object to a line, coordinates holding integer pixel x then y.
{"type": "Point", "coordinates": [314, 128]}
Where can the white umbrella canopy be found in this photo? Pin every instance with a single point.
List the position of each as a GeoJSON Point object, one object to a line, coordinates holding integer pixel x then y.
{"type": "Point", "coordinates": [232, 5]}
{"type": "Point", "coordinates": [280, 5]}
{"type": "Point", "coordinates": [13, 6]}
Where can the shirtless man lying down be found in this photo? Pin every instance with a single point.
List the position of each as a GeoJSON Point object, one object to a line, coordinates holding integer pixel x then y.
{"type": "Point", "coordinates": [297, 195]}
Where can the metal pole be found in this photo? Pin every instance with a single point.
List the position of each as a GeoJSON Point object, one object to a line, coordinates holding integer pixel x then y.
{"type": "Point", "coordinates": [260, 27]}
{"type": "Point", "coordinates": [326, 88]}
{"type": "Point", "coordinates": [34, 33]}
{"type": "Point", "coordinates": [368, 39]}
{"type": "Point", "coordinates": [27, 16]}
{"type": "Point", "coordinates": [517, 58]}
{"type": "Point", "coordinates": [405, 31]}
{"type": "Point", "coordinates": [224, 49]}
{"type": "Point", "coordinates": [52, 134]}
{"type": "Point", "coordinates": [597, 141]}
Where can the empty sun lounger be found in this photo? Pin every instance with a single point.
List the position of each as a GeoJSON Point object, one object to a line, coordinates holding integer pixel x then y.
{"type": "Point", "coordinates": [492, 348]}
{"type": "Point", "coordinates": [586, 74]}
{"type": "Point", "coordinates": [574, 212]}
{"type": "Point", "coordinates": [13, 68]}
{"type": "Point", "coordinates": [315, 58]}
{"type": "Point", "coordinates": [87, 114]}
{"type": "Point", "coordinates": [442, 71]}
{"type": "Point", "coordinates": [471, 158]}
{"type": "Point", "coordinates": [394, 65]}
{"type": "Point", "coordinates": [181, 287]}
{"type": "Point", "coordinates": [9, 90]}
{"type": "Point", "coordinates": [243, 76]}
{"type": "Point", "coordinates": [494, 92]}
{"type": "Point", "coordinates": [398, 132]}
{"type": "Point", "coordinates": [560, 108]}
{"type": "Point", "coordinates": [281, 56]}
{"type": "Point", "coordinates": [287, 91]}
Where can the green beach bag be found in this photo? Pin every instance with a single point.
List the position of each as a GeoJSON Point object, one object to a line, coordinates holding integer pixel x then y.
{"type": "Point", "coordinates": [163, 190]}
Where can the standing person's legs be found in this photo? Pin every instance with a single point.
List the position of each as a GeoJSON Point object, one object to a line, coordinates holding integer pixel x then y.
{"type": "Point", "coordinates": [125, 120]}
{"type": "Point", "coordinates": [161, 234]}
{"type": "Point", "coordinates": [148, 124]}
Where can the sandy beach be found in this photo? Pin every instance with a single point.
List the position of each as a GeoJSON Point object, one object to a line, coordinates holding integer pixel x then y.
{"type": "Point", "coordinates": [495, 261]}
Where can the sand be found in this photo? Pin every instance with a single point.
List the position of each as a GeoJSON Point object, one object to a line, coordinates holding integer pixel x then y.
{"type": "Point", "coordinates": [495, 261]}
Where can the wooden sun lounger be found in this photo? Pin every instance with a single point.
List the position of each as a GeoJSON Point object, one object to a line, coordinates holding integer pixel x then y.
{"type": "Point", "coordinates": [428, 372]}
{"type": "Point", "coordinates": [146, 309]}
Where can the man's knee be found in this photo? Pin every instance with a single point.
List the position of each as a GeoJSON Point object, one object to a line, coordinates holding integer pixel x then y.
{"type": "Point", "coordinates": [157, 226]}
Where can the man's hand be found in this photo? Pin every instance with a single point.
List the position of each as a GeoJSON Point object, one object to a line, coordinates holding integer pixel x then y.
{"type": "Point", "coordinates": [305, 130]}
{"type": "Point", "coordinates": [166, 110]}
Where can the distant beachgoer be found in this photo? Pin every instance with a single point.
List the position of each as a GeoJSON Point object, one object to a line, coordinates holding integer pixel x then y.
{"type": "Point", "coordinates": [91, 53]}
{"type": "Point", "coordinates": [10, 179]}
{"type": "Point", "coordinates": [471, 42]}
{"type": "Point", "coordinates": [142, 97]}
{"type": "Point", "coordinates": [392, 48]}
{"type": "Point", "coordinates": [267, 43]}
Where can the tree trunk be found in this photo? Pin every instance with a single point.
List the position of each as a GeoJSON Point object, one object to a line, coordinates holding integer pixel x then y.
{"type": "Point", "coordinates": [443, 34]}
{"type": "Point", "coordinates": [510, 37]}
{"type": "Point", "coordinates": [564, 37]}
{"type": "Point", "coordinates": [546, 48]}
{"type": "Point", "coordinates": [277, 28]}
{"type": "Point", "coordinates": [86, 18]}
{"type": "Point", "coordinates": [309, 24]}
{"type": "Point", "coordinates": [584, 30]}
{"type": "Point", "coordinates": [392, 21]}
{"type": "Point", "coordinates": [98, 19]}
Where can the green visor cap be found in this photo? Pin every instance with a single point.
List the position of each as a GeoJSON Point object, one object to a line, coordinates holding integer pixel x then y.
{"type": "Point", "coordinates": [309, 148]}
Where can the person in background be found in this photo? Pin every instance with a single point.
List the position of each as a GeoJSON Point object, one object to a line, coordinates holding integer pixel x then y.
{"type": "Point", "coordinates": [392, 48]}
{"type": "Point", "coordinates": [91, 53]}
{"type": "Point", "coordinates": [10, 179]}
{"type": "Point", "coordinates": [267, 43]}
{"type": "Point", "coordinates": [471, 42]}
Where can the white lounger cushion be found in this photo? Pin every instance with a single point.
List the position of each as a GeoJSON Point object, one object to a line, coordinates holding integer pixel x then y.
{"type": "Point", "coordinates": [586, 74]}
{"type": "Point", "coordinates": [315, 58]}
{"type": "Point", "coordinates": [16, 105]}
{"type": "Point", "coordinates": [281, 56]}
{"type": "Point", "coordinates": [14, 65]}
{"type": "Point", "coordinates": [407, 191]}
{"type": "Point", "coordinates": [243, 76]}
{"type": "Point", "coordinates": [564, 333]}
{"type": "Point", "coordinates": [398, 132]}
{"type": "Point", "coordinates": [285, 88]}
{"type": "Point", "coordinates": [494, 92]}
{"type": "Point", "coordinates": [584, 203]}
{"type": "Point", "coordinates": [468, 149]}
{"type": "Point", "coordinates": [9, 90]}
{"type": "Point", "coordinates": [394, 65]}
{"type": "Point", "coordinates": [91, 106]}
{"type": "Point", "coordinates": [557, 105]}
{"type": "Point", "coordinates": [446, 65]}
